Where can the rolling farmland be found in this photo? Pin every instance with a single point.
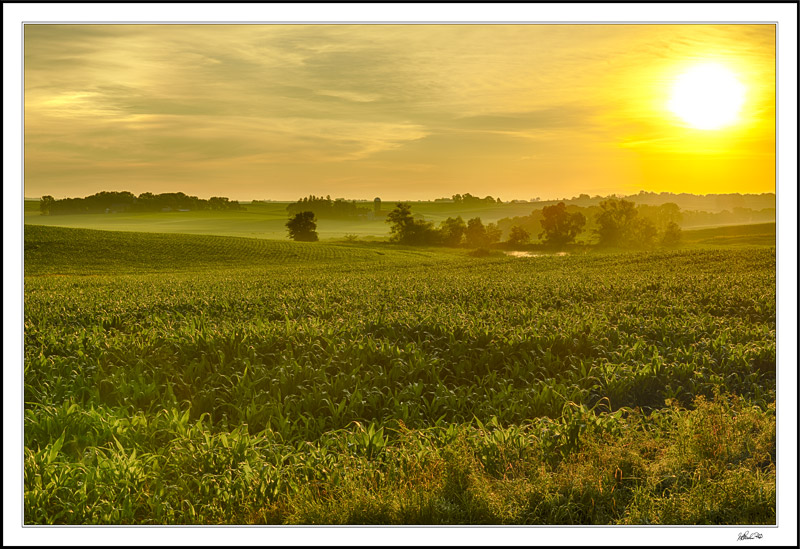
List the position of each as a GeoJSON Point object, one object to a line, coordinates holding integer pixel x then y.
{"type": "Point", "coordinates": [192, 379]}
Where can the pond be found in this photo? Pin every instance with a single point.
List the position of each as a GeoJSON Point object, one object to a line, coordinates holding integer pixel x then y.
{"type": "Point", "coordinates": [534, 254]}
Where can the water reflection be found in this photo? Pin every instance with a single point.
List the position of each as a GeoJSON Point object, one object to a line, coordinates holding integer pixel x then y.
{"type": "Point", "coordinates": [533, 254]}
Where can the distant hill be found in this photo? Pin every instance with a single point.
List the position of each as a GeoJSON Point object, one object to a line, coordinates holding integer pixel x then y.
{"type": "Point", "coordinates": [267, 219]}
{"type": "Point", "coordinates": [60, 250]}
{"type": "Point", "coordinates": [762, 234]}
{"type": "Point", "coordinates": [711, 203]}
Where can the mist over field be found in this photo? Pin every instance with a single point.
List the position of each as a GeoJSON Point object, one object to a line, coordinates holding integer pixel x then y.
{"type": "Point", "coordinates": [266, 219]}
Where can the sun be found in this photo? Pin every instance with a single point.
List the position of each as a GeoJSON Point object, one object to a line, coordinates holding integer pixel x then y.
{"type": "Point", "coordinates": [707, 97]}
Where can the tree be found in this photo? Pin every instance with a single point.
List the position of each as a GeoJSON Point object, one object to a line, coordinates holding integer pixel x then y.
{"type": "Point", "coordinates": [668, 213]}
{"type": "Point", "coordinates": [401, 219]}
{"type": "Point", "coordinates": [218, 203]}
{"type": "Point", "coordinates": [118, 201]}
{"type": "Point", "coordinates": [619, 224]}
{"type": "Point", "coordinates": [493, 233]}
{"type": "Point", "coordinates": [643, 233]}
{"type": "Point", "coordinates": [325, 208]}
{"type": "Point", "coordinates": [407, 230]}
{"type": "Point", "coordinates": [615, 222]}
{"type": "Point", "coordinates": [476, 233]}
{"type": "Point", "coordinates": [560, 226]}
{"type": "Point", "coordinates": [518, 236]}
{"type": "Point", "coordinates": [45, 204]}
{"type": "Point", "coordinates": [672, 235]}
{"type": "Point", "coordinates": [452, 231]}
{"type": "Point", "coordinates": [303, 227]}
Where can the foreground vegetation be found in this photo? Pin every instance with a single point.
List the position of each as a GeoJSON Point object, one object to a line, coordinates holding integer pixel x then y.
{"type": "Point", "coordinates": [283, 382]}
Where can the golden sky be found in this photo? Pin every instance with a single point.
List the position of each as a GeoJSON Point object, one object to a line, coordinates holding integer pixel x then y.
{"type": "Point", "coordinates": [396, 111]}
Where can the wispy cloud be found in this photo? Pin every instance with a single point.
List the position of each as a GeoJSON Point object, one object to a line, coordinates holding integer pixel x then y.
{"type": "Point", "coordinates": [407, 106]}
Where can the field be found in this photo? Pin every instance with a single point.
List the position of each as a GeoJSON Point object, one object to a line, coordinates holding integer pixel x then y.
{"type": "Point", "coordinates": [757, 234]}
{"type": "Point", "coordinates": [267, 221]}
{"type": "Point", "coordinates": [193, 379]}
{"type": "Point", "coordinates": [264, 220]}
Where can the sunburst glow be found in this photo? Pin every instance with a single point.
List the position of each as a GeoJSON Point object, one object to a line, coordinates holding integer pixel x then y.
{"type": "Point", "coordinates": [708, 97]}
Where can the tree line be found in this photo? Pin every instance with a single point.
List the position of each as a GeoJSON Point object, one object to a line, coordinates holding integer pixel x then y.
{"type": "Point", "coordinates": [613, 222]}
{"type": "Point", "coordinates": [617, 222]}
{"type": "Point", "coordinates": [467, 199]}
{"type": "Point", "coordinates": [325, 208]}
{"type": "Point", "coordinates": [406, 229]}
{"type": "Point", "coordinates": [123, 201]}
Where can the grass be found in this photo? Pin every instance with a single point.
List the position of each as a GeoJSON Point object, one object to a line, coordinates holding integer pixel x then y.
{"type": "Point", "coordinates": [204, 380]}
{"type": "Point", "coordinates": [264, 220]}
{"type": "Point", "coordinates": [257, 221]}
{"type": "Point", "coordinates": [57, 250]}
{"type": "Point", "coordinates": [762, 234]}
{"type": "Point", "coordinates": [267, 221]}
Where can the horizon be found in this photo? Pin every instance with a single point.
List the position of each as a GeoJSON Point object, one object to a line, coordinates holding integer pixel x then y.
{"type": "Point", "coordinates": [515, 110]}
{"type": "Point", "coordinates": [439, 198]}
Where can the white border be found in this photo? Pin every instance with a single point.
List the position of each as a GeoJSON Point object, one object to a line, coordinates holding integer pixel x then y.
{"type": "Point", "coordinates": [784, 14]}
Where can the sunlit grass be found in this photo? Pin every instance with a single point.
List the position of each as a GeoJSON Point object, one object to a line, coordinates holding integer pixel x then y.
{"type": "Point", "coordinates": [204, 380]}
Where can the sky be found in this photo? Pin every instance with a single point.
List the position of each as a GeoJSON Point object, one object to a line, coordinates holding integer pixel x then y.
{"type": "Point", "coordinates": [397, 111]}
{"type": "Point", "coordinates": [746, 47]}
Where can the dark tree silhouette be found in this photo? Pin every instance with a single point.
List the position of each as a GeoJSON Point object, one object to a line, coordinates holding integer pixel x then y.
{"type": "Point", "coordinates": [401, 218]}
{"type": "Point", "coordinates": [407, 230]}
{"type": "Point", "coordinates": [468, 199]}
{"type": "Point", "coordinates": [518, 236]}
{"type": "Point", "coordinates": [476, 233]}
{"type": "Point", "coordinates": [45, 204]}
{"type": "Point", "coordinates": [325, 208]}
{"type": "Point", "coordinates": [114, 201]}
{"type": "Point", "coordinates": [560, 226]}
{"type": "Point", "coordinates": [218, 203]}
{"type": "Point", "coordinates": [303, 227]}
{"type": "Point", "coordinates": [452, 231]}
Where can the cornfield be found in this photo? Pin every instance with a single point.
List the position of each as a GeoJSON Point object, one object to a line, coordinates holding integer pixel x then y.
{"type": "Point", "coordinates": [178, 379]}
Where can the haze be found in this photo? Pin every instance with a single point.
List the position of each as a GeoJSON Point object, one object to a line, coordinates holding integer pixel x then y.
{"type": "Point", "coordinates": [396, 111]}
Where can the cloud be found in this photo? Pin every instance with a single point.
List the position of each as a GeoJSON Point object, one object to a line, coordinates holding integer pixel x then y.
{"type": "Point", "coordinates": [353, 96]}
{"type": "Point", "coordinates": [558, 117]}
{"type": "Point", "coordinates": [196, 103]}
